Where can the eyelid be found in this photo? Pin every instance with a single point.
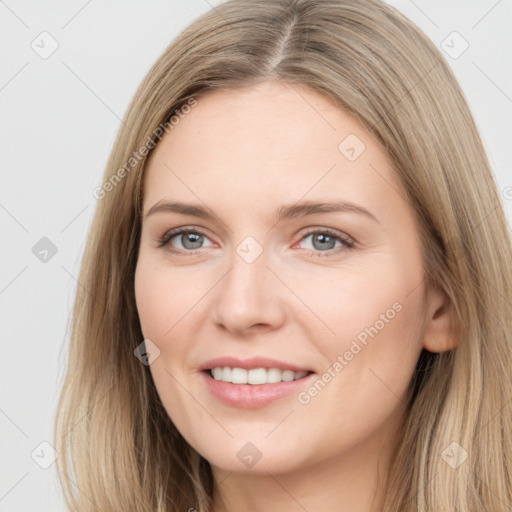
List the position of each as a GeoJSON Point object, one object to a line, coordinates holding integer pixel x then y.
{"type": "Point", "coordinates": [330, 231]}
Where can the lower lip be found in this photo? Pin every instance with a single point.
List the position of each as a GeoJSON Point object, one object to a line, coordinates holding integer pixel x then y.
{"type": "Point", "coordinates": [252, 396]}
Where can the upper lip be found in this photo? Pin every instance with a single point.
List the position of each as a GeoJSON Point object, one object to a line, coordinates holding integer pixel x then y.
{"type": "Point", "coordinates": [249, 364]}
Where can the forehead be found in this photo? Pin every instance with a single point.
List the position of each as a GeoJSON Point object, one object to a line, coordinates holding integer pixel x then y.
{"type": "Point", "coordinates": [268, 142]}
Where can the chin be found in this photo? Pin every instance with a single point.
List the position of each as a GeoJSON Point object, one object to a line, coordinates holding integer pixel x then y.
{"type": "Point", "coordinates": [254, 457]}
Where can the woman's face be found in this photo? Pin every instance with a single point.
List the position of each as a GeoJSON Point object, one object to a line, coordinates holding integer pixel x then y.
{"type": "Point", "coordinates": [268, 279]}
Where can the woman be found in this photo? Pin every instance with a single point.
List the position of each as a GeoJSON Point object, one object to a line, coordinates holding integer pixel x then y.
{"type": "Point", "coordinates": [297, 285]}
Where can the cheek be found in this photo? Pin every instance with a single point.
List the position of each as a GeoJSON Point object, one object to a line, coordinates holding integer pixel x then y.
{"type": "Point", "coordinates": [367, 372]}
{"type": "Point", "coordinates": [357, 301]}
{"type": "Point", "coordinates": [164, 298]}
{"type": "Point", "coordinates": [374, 322]}
{"type": "Point", "coordinates": [379, 349]}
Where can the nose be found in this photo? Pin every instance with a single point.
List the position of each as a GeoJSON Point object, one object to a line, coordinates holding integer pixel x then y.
{"type": "Point", "coordinates": [250, 298]}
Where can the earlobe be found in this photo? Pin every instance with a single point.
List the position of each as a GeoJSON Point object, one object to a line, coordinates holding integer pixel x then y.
{"type": "Point", "coordinates": [441, 332]}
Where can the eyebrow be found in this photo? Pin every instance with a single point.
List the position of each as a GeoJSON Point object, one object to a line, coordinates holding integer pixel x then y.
{"type": "Point", "coordinates": [292, 211]}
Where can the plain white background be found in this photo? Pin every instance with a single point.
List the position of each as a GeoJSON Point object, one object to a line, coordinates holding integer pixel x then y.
{"type": "Point", "coordinates": [60, 115]}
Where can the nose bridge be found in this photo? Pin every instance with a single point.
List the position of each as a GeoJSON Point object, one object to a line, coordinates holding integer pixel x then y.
{"type": "Point", "coordinates": [247, 280]}
{"type": "Point", "coordinates": [248, 294]}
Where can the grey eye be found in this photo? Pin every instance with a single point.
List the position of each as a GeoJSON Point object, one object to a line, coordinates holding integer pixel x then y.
{"type": "Point", "coordinates": [323, 241]}
{"type": "Point", "coordinates": [189, 240]}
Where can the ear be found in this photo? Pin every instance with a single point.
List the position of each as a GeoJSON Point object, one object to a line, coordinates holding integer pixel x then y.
{"type": "Point", "coordinates": [441, 332]}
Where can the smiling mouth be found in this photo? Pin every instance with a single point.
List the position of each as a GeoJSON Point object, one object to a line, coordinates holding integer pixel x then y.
{"type": "Point", "coordinates": [256, 376]}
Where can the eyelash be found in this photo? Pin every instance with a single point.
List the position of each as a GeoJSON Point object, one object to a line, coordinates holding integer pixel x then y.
{"type": "Point", "coordinates": [346, 242]}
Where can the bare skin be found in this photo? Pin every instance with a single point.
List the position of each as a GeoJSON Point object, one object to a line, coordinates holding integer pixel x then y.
{"type": "Point", "coordinates": [304, 300]}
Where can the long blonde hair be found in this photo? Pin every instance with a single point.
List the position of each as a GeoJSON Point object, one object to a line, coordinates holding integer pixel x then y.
{"type": "Point", "coordinates": [118, 449]}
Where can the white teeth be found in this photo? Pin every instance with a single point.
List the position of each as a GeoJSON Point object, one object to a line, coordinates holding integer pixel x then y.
{"type": "Point", "coordinates": [256, 376]}
{"type": "Point", "coordinates": [239, 376]}
{"type": "Point", "coordinates": [287, 375]}
{"type": "Point", "coordinates": [273, 375]}
{"type": "Point", "coordinates": [226, 374]}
